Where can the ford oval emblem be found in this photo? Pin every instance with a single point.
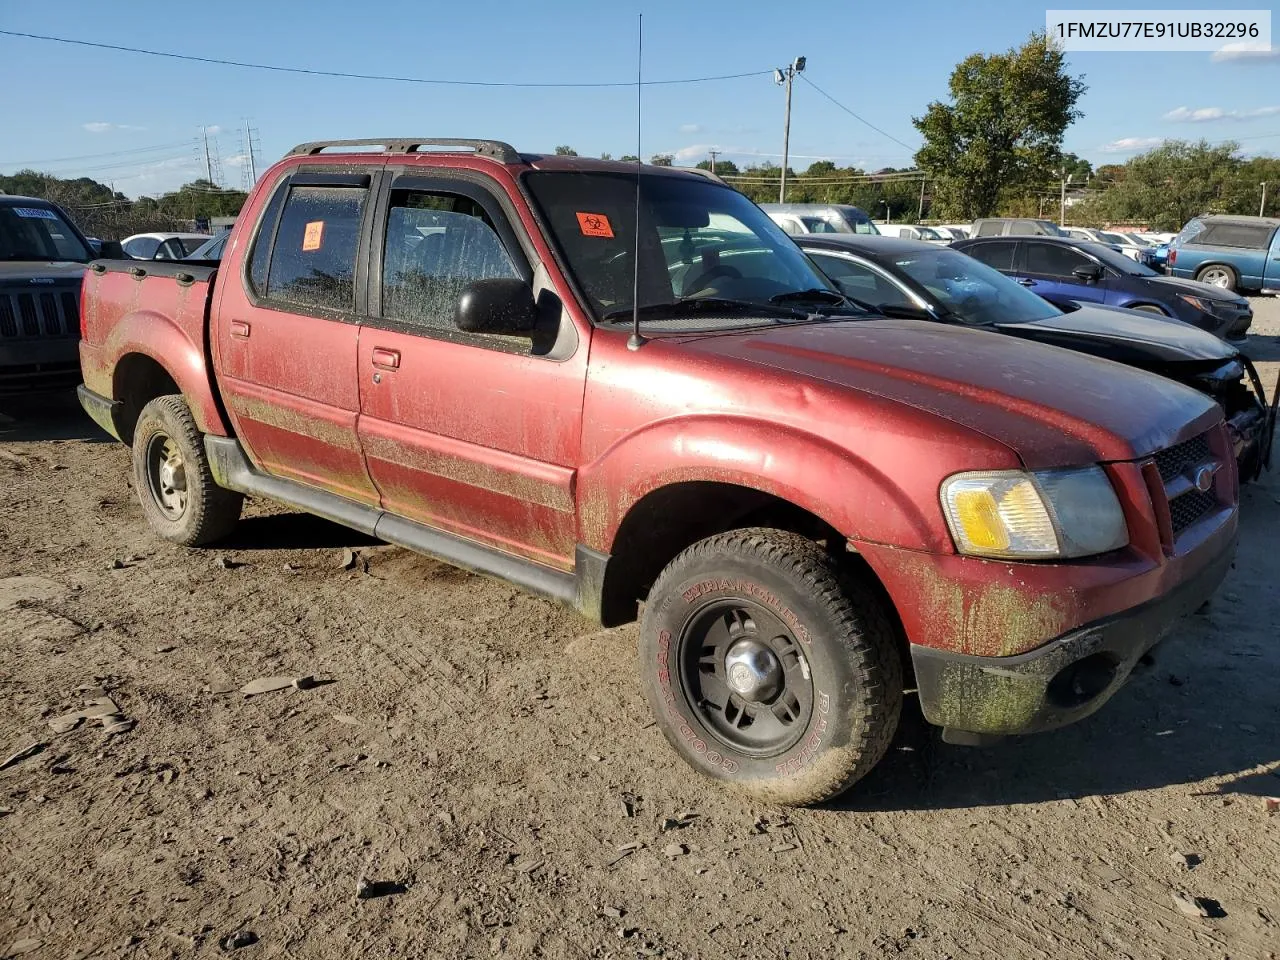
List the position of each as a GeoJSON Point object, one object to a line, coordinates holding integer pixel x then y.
{"type": "Point", "coordinates": [1204, 478]}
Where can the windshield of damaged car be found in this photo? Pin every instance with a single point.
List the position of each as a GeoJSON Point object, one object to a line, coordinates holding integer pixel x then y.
{"type": "Point", "coordinates": [699, 240]}
{"type": "Point", "coordinates": [38, 233]}
{"type": "Point", "coordinates": [972, 291]}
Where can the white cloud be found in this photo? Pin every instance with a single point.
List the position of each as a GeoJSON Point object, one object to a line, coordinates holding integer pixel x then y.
{"type": "Point", "coordinates": [213, 130]}
{"type": "Point", "coordinates": [101, 126]}
{"type": "Point", "coordinates": [236, 160]}
{"type": "Point", "coordinates": [1245, 52]}
{"type": "Point", "coordinates": [690, 128]}
{"type": "Point", "coordinates": [1130, 144]}
{"type": "Point", "coordinates": [1205, 114]}
{"type": "Point", "coordinates": [695, 151]}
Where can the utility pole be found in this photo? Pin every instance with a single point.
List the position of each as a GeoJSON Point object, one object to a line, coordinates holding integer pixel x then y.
{"type": "Point", "coordinates": [1262, 208]}
{"type": "Point", "coordinates": [714, 154]}
{"type": "Point", "coordinates": [785, 76]}
{"type": "Point", "coordinates": [1066, 178]}
{"type": "Point", "coordinates": [920, 212]}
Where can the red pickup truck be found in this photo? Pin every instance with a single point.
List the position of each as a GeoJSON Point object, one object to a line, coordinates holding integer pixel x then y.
{"type": "Point", "coordinates": [817, 507]}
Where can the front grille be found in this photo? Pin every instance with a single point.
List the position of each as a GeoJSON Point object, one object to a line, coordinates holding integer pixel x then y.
{"type": "Point", "coordinates": [43, 314]}
{"type": "Point", "coordinates": [1173, 462]}
{"type": "Point", "coordinates": [1190, 507]}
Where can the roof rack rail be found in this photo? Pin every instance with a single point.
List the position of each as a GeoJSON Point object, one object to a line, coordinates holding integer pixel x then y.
{"type": "Point", "coordinates": [495, 149]}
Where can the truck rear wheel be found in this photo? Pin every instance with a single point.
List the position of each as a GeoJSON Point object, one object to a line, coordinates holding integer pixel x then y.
{"type": "Point", "coordinates": [768, 669]}
{"type": "Point", "coordinates": [1219, 275]}
{"type": "Point", "coordinates": [175, 486]}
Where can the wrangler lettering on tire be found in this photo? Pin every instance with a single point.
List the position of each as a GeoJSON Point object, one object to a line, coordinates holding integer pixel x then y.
{"type": "Point", "coordinates": [768, 668]}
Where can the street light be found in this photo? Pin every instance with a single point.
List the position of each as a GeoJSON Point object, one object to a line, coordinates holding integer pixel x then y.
{"type": "Point", "coordinates": [784, 76]}
{"type": "Point", "coordinates": [886, 211]}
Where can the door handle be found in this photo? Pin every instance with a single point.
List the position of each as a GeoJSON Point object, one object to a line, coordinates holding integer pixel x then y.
{"type": "Point", "coordinates": [1027, 282]}
{"type": "Point", "coordinates": [385, 359]}
{"type": "Point", "coordinates": [240, 329]}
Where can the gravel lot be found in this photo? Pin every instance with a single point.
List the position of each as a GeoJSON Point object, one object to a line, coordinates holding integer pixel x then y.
{"type": "Point", "coordinates": [482, 767]}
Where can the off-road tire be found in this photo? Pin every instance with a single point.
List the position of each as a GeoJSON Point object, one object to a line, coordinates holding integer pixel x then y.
{"type": "Point", "coordinates": [845, 636]}
{"type": "Point", "coordinates": [1233, 278]}
{"type": "Point", "coordinates": [210, 512]}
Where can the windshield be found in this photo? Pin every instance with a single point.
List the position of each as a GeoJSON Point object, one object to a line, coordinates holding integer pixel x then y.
{"type": "Point", "coordinates": [971, 290]}
{"type": "Point", "coordinates": [1117, 261]}
{"type": "Point", "coordinates": [1115, 238]}
{"type": "Point", "coordinates": [928, 233]}
{"type": "Point", "coordinates": [38, 233]}
{"type": "Point", "coordinates": [699, 240]}
{"type": "Point", "coordinates": [817, 225]}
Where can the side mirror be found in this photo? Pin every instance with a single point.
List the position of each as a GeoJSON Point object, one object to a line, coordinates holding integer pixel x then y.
{"type": "Point", "coordinates": [502, 306]}
{"type": "Point", "coordinates": [111, 250]}
{"type": "Point", "coordinates": [1088, 273]}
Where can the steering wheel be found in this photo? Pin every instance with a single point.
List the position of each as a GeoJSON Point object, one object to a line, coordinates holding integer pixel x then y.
{"type": "Point", "coordinates": [704, 278]}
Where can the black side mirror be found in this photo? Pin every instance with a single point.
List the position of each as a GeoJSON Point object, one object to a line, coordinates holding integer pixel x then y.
{"type": "Point", "coordinates": [1089, 273]}
{"type": "Point", "coordinates": [111, 250]}
{"type": "Point", "coordinates": [501, 306]}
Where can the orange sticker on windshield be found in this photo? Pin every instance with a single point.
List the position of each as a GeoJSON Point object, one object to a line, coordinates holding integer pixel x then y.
{"type": "Point", "coordinates": [313, 236]}
{"type": "Point", "coordinates": [594, 225]}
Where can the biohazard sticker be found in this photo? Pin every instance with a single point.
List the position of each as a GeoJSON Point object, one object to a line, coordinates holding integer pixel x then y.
{"type": "Point", "coordinates": [313, 236]}
{"type": "Point", "coordinates": [594, 225]}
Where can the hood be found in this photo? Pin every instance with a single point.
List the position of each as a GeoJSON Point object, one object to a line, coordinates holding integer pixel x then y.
{"type": "Point", "coordinates": [1193, 287]}
{"type": "Point", "coordinates": [25, 271]}
{"type": "Point", "coordinates": [1126, 336]}
{"type": "Point", "coordinates": [1053, 407]}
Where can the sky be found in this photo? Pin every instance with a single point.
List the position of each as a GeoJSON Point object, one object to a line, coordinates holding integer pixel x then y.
{"type": "Point", "coordinates": [136, 121]}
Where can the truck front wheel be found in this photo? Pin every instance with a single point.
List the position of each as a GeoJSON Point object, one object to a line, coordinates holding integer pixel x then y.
{"type": "Point", "coordinates": [175, 486]}
{"type": "Point", "coordinates": [767, 668]}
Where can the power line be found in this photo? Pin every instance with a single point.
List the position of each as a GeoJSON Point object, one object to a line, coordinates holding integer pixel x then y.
{"type": "Point", "coordinates": [369, 76]}
{"type": "Point", "coordinates": [862, 120]}
{"type": "Point", "coordinates": [95, 156]}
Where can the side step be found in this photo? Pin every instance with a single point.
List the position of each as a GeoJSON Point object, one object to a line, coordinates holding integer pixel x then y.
{"type": "Point", "coordinates": [232, 469]}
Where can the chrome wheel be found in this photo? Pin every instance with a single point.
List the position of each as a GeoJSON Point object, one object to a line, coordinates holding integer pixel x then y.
{"type": "Point", "coordinates": [167, 476]}
{"type": "Point", "coordinates": [1217, 277]}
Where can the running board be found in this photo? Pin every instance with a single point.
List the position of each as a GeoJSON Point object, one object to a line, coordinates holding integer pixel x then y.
{"type": "Point", "coordinates": [232, 469]}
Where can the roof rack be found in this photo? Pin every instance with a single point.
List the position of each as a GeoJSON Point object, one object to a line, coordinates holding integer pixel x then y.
{"type": "Point", "coordinates": [494, 149]}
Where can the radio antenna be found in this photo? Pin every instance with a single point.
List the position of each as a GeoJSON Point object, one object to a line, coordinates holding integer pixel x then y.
{"type": "Point", "coordinates": [635, 340]}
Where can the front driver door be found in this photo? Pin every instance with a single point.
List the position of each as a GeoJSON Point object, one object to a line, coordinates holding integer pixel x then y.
{"type": "Point", "coordinates": [1050, 269]}
{"type": "Point", "coordinates": [474, 434]}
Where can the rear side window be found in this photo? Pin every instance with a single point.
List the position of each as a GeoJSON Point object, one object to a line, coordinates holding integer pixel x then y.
{"type": "Point", "coordinates": [261, 254]}
{"type": "Point", "coordinates": [1053, 260]}
{"type": "Point", "coordinates": [990, 228]}
{"type": "Point", "coordinates": [313, 260]}
{"type": "Point", "coordinates": [998, 256]}
{"type": "Point", "coordinates": [1250, 235]}
{"type": "Point", "coordinates": [1026, 227]}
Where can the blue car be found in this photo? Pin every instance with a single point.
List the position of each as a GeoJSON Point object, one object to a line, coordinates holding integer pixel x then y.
{"type": "Point", "coordinates": [1235, 253]}
{"type": "Point", "coordinates": [1067, 271]}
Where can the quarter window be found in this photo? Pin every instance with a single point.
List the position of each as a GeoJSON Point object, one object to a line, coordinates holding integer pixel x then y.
{"type": "Point", "coordinates": [437, 244]}
{"type": "Point", "coordinates": [314, 255]}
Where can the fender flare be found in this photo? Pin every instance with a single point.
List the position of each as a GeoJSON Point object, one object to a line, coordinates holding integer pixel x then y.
{"type": "Point", "coordinates": [804, 469]}
{"type": "Point", "coordinates": [155, 336]}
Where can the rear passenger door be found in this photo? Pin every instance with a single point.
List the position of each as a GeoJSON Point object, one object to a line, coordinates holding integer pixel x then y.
{"type": "Point", "coordinates": [996, 254]}
{"type": "Point", "coordinates": [473, 434]}
{"type": "Point", "coordinates": [286, 331]}
{"type": "Point", "coordinates": [1049, 270]}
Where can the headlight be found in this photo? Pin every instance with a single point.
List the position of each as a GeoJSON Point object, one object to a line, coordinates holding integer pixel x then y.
{"type": "Point", "coordinates": [1216, 308]}
{"type": "Point", "coordinates": [1042, 515]}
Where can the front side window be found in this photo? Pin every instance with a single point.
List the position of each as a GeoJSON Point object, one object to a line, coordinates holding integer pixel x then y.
{"type": "Point", "coordinates": [38, 233]}
{"type": "Point", "coordinates": [314, 256]}
{"type": "Point", "coordinates": [1053, 260]}
{"type": "Point", "coordinates": [261, 253]}
{"type": "Point", "coordinates": [437, 244]}
{"type": "Point", "coordinates": [142, 248]}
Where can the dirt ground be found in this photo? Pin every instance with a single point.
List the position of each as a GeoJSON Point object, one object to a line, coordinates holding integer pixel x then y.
{"type": "Point", "coordinates": [482, 767]}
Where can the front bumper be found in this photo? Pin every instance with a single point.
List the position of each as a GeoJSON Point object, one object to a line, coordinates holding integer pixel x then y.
{"type": "Point", "coordinates": [28, 365]}
{"type": "Point", "coordinates": [1063, 681]}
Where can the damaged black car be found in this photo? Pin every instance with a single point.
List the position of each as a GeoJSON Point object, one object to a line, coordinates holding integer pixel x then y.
{"type": "Point", "coordinates": [908, 278]}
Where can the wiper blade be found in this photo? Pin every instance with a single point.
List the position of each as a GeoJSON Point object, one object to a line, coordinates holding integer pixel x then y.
{"type": "Point", "coordinates": [814, 295]}
{"type": "Point", "coordinates": [685, 306]}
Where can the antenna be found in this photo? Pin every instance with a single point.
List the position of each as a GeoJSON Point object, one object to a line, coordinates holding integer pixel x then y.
{"type": "Point", "coordinates": [635, 340]}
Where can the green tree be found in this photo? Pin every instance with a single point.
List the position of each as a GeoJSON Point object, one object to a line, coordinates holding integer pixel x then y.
{"type": "Point", "coordinates": [661, 159]}
{"type": "Point", "coordinates": [564, 151]}
{"type": "Point", "coordinates": [1002, 130]}
{"type": "Point", "coordinates": [629, 158]}
{"type": "Point", "coordinates": [1077, 168]}
{"type": "Point", "coordinates": [1172, 183]}
{"type": "Point", "coordinates": [724, 168]}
